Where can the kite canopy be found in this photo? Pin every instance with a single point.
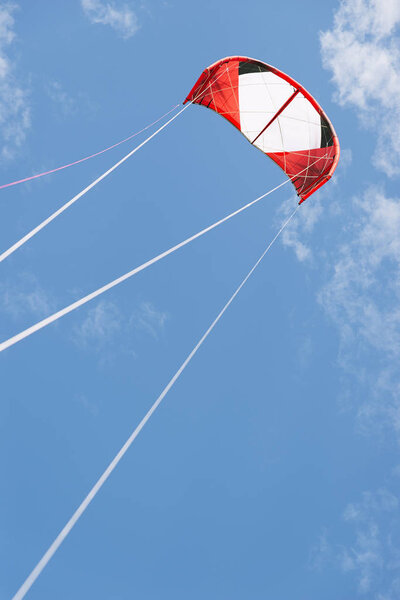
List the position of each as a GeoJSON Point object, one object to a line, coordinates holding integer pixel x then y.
{"type": "Point", "coordinates": [276, 114]}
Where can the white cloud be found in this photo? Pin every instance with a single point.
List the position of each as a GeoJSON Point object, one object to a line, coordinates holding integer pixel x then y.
{"type": "Point", "coordinates": [119, 16]}
{"type": "Point", "coordinates": [321, 552]}
{"type": "Point", "coordinates": [365, 556]}
{"type": "Point", "coordinates": [87, 404]}
{"type": "Point", "coordinates": [24, 296]}
{"type": "Point", "coordinates": [371, 552]}
{"type": "Point", "coordinates": [66, 104]}
{"type": "Point", "coordinates": [65, 101]}
{"type": "Point", "coordinates": [357, 298]}
{"type": "Point", "coordinates": [105, 329]}
{"type": "Point", "coordinates": [362, 297]}
{"type": "Point", "coordinates": [99, 327]}
{"type": "Point", "coordinates": [380, 501]}
{"type": "Point", "coordinates": [15, 117]}
{"type": "Point", "coordinates": [372, 555]}
{"type": "Point", "coordinates": [362, 51]}
{"type": "Point", "coordinates": [148, 319]}
{"type": "Point", "coordinates": [303, 224]}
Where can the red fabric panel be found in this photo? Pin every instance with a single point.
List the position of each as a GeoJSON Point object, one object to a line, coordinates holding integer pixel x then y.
{"type": "Point", "coordinates": [218, 88]}
{"type": "Point", "coordinates": [312, 166]}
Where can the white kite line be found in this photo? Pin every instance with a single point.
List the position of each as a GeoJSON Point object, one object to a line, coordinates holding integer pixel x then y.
{"type": "Point", "coordinates": [30, 580]}
{"type": "Point", "coordinates": [64, 311]}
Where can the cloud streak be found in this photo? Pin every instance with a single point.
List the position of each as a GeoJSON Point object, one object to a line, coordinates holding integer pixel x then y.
{"type": "Point", "coordinates": [371, 552]}
{"type": "Point", "coordinates": [294, 235]}
{"type": "Point", "coordinates": [101, 330]}
{"type": "Point", "coordinates": [148, 319]}
{"type": "Point", "coordinates": [373, 555]}
{"type": "Point", "coordinates": [362, 297]}
{"type": "Point", "coordinates": [119, 17]}
{"type": "Point", "coordinates": [15, 114]}
{"type": "Point", "coordinates": [66, 104]}
{"type": "Point", "coordinates": [24, 296]}
{"type": "Point", "coordinates": [100, 326]}
{"type": "Point", "coordinates": [356, 297]}
{"type": "Point", "coordinates": [362, 52]}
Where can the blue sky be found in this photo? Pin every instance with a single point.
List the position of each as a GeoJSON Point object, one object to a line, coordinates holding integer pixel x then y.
{"type": "Point", "coordinates": [272, 468]}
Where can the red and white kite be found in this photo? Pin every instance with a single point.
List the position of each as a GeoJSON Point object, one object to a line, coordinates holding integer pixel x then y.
{"type": "Point", "coordinates": [276, 114]}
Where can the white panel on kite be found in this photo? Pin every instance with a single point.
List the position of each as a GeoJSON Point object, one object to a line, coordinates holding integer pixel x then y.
{"type": "Point", "coordinates": [301, 125]}
{"type": "Point", "coordinates": [261, 95]}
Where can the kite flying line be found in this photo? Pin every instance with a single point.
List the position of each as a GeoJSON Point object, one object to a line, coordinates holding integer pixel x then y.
{"type": "Point", "coordinates": [81, 160]}
{"type": "Point", "coordinates": [30, 580]}
{"type": "Point", "coordinates": [71, 307]}
{"type": "Point", "coordinates": [55, 214]}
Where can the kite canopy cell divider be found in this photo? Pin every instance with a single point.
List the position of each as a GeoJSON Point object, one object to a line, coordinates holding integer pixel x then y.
{"type": "Point", "coordinates": [47, 556]}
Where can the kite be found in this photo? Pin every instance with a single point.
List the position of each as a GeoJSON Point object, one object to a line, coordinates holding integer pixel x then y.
{"type": "Point", "coordinates": [276, 114]}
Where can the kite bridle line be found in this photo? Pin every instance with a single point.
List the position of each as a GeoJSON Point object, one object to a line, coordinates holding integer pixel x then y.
{"type": "Point", "coordinates": [30, 580]}
{"type": "Point", "coordinates": [64, 207]}
{"type": "Point", "coordinates": [71, 307]}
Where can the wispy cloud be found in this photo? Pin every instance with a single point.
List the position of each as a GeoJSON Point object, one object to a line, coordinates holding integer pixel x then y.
{"type": "Point", "coordinates": [15, 114]}
{"type": "Point", "coordinates": [321, 553]}
{"type": "Point", "coordinates": [24, 296]}
{"type": "Point", "coordinates": [371, 552]}
{"type": "Point", "coordinates": [294, 235]}
{"type": "Point", "coordinates": [364, 293]}
{"type": "Point", "coordinates": [87, 404]}
{"type": "Point", "coordinates": [121, 17]}
{"type": "Point", "coordinates": [67, 104]}
{"type": "Point", "coordinates": [101, 329]}
{"type": "Point", "coordinates": [371, 503]}
{"type": "Point", "coordinates": [363, 53]}
{"type": "Point", "coordinates": [148, 319]}
{"type": "Point", "coordinates": [362, 297]}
